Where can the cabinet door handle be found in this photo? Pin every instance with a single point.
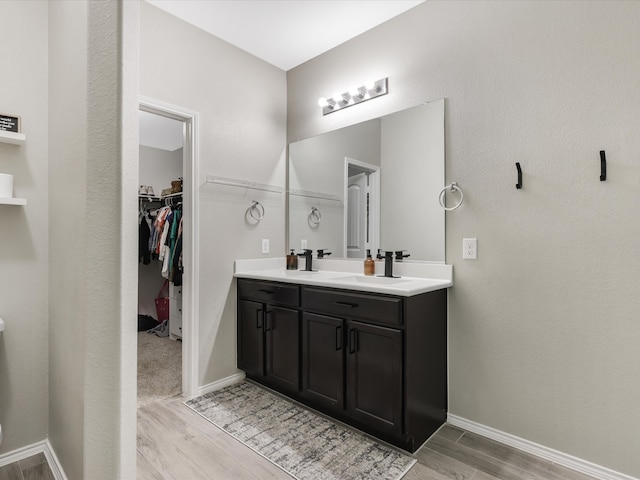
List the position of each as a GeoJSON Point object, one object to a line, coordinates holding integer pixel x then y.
{"type": "Point", "coordinates": [259, 318]}
{"type": "Point", "coordinates": [268, 323]}
{"type": "Point", "coordinates": [352, 340]}
{"type": "Point", "coordinates": [338, 338]}
{"type": "Point", "coordinates": [346, 304]}
{"type": "Point", "coordinates": [267, 292]}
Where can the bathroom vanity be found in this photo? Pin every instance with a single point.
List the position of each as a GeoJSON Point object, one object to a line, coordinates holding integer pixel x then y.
{"type": "Point", "coordinates": [368, 351]}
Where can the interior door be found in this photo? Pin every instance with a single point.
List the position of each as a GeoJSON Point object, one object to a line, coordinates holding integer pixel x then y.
{"type": "Point", "coordinates": [357, 216]}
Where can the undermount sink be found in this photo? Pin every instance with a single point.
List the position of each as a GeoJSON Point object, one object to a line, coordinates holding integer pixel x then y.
{"type": "Point", "coordinates": [375, 280]}
{"type": "Point", "coordinates": [305, 274]}
{"type": "Point", "coordinates": [296, 273]}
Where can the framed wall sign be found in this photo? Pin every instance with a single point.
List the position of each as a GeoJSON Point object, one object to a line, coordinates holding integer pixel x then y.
{"type": "Point", "coordinates": [10, 123]}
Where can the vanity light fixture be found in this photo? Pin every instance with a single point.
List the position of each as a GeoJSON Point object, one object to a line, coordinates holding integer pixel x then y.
{"type": "Point", "coordinates": [338, 101]}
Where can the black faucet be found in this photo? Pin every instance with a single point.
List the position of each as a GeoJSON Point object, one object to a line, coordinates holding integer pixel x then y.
{"type": "Point", "coordinates": [308, 257]}
{"type": "Point", "coordinates": [388, 263]}
{"type": "Point", "coordinates": [322, 253]}
{"type": "Point", "coordinates": [400, 255]}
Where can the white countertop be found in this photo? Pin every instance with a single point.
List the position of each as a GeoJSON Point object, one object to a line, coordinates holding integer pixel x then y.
{"type": "Point", "coordinates": [414, 278]}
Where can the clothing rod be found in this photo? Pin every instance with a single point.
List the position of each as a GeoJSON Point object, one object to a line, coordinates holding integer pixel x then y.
{"type": "Point", "coordinates": [322, 196]}
{"type": "Point", "coordinates": [243, 184]}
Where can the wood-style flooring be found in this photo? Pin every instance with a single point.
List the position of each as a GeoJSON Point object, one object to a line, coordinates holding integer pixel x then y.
{"type": "Point", "coordinates": [32, 468]}
{"type": "Point", "coordinates": [176, 443]}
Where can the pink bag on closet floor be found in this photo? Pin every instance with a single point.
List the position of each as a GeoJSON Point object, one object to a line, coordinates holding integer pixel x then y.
{"type": "Point", "coordinates": [162, 302]}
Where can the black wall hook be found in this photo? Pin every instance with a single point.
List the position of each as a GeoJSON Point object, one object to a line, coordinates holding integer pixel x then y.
{"type": "Point", "coordinates": [519, 184]}
{"type": "Point", "coordinates": [603, 166]}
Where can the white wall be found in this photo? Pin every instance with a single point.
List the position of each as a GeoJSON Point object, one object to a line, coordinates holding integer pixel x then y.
{"type": "Point", "coordinates": [159, 167]}
{"type": "Point", "coordinates": [242, 136]}
{"type": "Point", "coordinates": [93, 211]}
{"type": "Point", "coordinates": [67, 209]}
{"type": "Point", "coordinates": [544, 331]}
{"type": "Point", "coordinates": [24, 254]}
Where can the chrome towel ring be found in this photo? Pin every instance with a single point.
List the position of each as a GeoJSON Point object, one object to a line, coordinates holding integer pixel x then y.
{"type": "Point", "coordinates": [315, 217]}
{"type": "Point", "coordinates": [256, 210]}
{"type": "Point", "coordinates": [454, 188]}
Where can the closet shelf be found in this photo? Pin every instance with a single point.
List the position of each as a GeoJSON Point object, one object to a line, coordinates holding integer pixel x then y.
{"type": "Point", "coordinates": [156, 198]}
{"type": "Point", "coordinates": [13, 201]}
{"type": "Point", "coordinates": [12, 137]}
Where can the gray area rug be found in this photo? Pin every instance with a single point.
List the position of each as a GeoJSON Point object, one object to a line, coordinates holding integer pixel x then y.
{"type": "Point", "coordinates": [302, 443]}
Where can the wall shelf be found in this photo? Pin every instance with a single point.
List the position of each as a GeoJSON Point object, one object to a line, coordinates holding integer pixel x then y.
{"type": "Point", "coordinates": [243, 184]}
{"type": "Point", "coordinates": [12, 137]}
{"type": "Point", "coordinates": [321, 196]}
{"type": "Point", "coordinates": [13, 201]}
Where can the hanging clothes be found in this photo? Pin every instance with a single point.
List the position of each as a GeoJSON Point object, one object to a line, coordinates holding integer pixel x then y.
{"type": "Point", "coordinates": [176, 261]}
{"type": "Point", "coordinates": [161, 239]}
{"type": "Point", "coordinates": [144, 255]}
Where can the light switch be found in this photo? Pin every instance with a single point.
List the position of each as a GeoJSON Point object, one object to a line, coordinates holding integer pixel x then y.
{"type": "Point", "coordinates": [265, 245]}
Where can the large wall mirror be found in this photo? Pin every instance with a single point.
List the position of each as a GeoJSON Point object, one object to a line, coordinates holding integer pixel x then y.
{"type": "Point", "coordinates": [373, 185]}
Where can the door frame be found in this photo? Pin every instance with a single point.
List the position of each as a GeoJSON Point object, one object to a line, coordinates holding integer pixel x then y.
{"type": "Point", "coordinates": [374, 214]}
{"type": "Point", "coordinates": [191, 253]}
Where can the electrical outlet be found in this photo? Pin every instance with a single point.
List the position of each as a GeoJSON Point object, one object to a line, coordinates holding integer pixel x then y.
{"type": "Point", "coordinates": [303, 244]}
{"type": "Point", "coordinates": [470, 248]}
{"type": "Point", "coordinates": [265, 245]}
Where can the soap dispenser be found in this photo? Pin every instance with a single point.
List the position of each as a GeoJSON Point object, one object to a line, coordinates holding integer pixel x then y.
{"type": "Point", "coordinates": [369, 264]}
{"type": "Point", "coordinates": [292, 261]}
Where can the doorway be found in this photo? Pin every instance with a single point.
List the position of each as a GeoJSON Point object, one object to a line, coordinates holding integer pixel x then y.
{"type": "Point", "coordinates": [183, 300]}
{"type": "Point", "coordinates": [361, 208]}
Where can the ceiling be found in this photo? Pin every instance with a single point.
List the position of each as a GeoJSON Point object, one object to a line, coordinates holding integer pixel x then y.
{"type": "Point", "coordinates": [160, 132]}
{"type": "Point", "coordinates": [285, 33]}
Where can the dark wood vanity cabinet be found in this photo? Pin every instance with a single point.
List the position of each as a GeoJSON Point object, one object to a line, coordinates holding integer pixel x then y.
{"type": "Point", "coordinates": [269, 333]}
{"type": "Point", "coordinates": [323, 360]}
{"type": "Point", "coordinates": [374, 376]}
{"type": "Point", "coordinates": [377, 362]}
{"type": "Point", "coordinates": [369, 387]}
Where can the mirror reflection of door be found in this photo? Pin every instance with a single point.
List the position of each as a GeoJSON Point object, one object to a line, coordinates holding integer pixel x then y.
{"type": "Point", "coordinates": [362, 208]}
{"type": "Point", "coordinates": [357, 215]}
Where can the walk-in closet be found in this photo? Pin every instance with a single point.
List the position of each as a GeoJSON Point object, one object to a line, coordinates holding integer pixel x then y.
{"type": "Point", "coordinates": [160, 265]}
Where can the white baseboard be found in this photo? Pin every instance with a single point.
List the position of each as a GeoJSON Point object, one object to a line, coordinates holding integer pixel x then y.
{"type": "Point", "coordinates": [533, 448]}
{"type": "Point", "coordinates": [30, 450]}
{"type": "Point", "coordinates": [54, 463]}
{"type": "Point", "coordinates": [217, 385]}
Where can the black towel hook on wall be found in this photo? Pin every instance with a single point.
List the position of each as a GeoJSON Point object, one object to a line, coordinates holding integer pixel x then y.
{"type": "Point", "coordinates": [603, 166]}
{"type": "Point", "coordinates": [519, 184]}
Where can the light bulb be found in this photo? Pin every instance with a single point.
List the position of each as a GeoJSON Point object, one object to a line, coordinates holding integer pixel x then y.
{"type": "Point", "coordinates": [337, 97]}
{"type": "Point", "coordinates": [322, 102]}
{"type": "Point", "coordinates": [353, 90]}
{"type": "Point", "coordinates": [369, 84]}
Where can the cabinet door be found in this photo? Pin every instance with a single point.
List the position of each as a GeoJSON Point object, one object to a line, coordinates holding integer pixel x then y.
{"type": "Point", "coordinates": [323, 360]}
{"type": "Point", "coordinates": [282, 327]}
{"type": "Point", "coordinates": [374, 376]}
{"type": "Point", "coordinates": [251, 337]}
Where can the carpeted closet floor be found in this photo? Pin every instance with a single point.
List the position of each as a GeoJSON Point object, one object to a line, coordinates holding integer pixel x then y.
{"type": "Point", "coordinates": [159, 368]}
